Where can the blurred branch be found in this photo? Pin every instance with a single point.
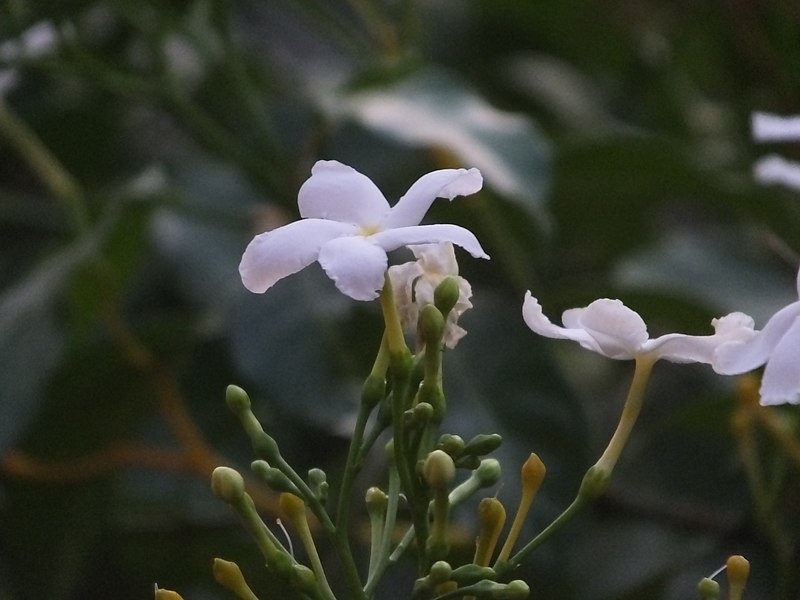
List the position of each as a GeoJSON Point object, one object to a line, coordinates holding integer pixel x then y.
{"type": "Point", "coordinates": [46, 166]}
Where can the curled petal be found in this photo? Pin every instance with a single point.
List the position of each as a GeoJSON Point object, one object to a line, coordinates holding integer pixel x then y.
{"type": "Point", "coordinates": [340, 193]}
{"type": "Point", "coordinates": [618, 331]}
{"type": "Point", "coordinates": [535, 319]}
{"type": "Point", "coordinates": [680, 348]}
{"type": "Point", "coordinates": [437, 258]}
{"type": "Point", "coordinates": [774, 169]}
{"type": "Point", "coordinates": [356, 266]}
{"type": "Point", "coordinates": [735, 357]}
{"type": "Point", "coordinates": [781, 381]}
{"type": "Point", "coordinates": [446, 183]}
{"type": "Point", "coordinates": [273, 255]}
{"type": "Point", "coordinates": [392, 239]}
{"type": "Point", "coordinates": [768, 127]}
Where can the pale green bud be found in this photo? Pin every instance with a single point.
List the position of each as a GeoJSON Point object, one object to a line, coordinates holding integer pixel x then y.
{"type": "Point", "coordinates": [708, 589]}
{"type": "Point", "coordinates": [431, 324]}
{"type": "Point", "coordinates": [452, 444]}
{"type": "Point", "coordinates": [237, 399]}
{"type": "Point", "coordinates": [227, 484]}
{"type": "Point", "coordinates": [273, 477]}
{"type": "Point", "coordinates": [483, 444]}
{"type": "Point", "coordinates": [470, 574]}
{"type": "Point", "coordinates": [513, 590]}
{"type": "Point", "coordinates": [446, 295]}
{"type": "Point", "coordinates": [488, 472]}
{"type": "Point", "coordinates": [439, 471]}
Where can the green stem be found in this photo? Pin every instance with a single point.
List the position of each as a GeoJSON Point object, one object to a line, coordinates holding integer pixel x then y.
{"type": "Point", "coordinates": [597, 477]}
{"type": "Point", "coordinates": [384, 559]}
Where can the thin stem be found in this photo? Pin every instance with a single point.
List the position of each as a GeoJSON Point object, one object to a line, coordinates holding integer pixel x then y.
{"type": "Point", "coordinates": [377, 569]}
{"type": "Point", "coordinates": [47, 167]}
{"type": "Point", "coordinates": [630, 412]}
{"type": "Point", "coordinates": [597, 477]}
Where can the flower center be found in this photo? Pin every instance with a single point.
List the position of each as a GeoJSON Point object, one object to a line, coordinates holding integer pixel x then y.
{"type": "Point", "coordinates": [368, 230]}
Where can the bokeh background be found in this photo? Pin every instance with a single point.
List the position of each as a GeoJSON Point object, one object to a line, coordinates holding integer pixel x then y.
{"type": "Point", "coordinates": [144, 142]}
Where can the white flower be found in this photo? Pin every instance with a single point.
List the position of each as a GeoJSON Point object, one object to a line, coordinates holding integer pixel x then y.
{"type": "Point", "coordinates": [348, 227]}
{"type": "Point", "coordinates": [610, 328]}
{"type": "Point", "coordinates": [777, 346]}
{"type": "Point", "coordinates": [415, 282]}
{"type": "Point", "coordinates": [773, 169]}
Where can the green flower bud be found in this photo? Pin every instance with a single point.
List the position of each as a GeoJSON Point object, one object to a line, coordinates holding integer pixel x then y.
{"type": "Point", "coordinates": [708, 589]}
{"type": "Point", "coordinates": [440, 572]}
{"type": "Point", "coordinates": [376, 499]}
{"type": "Point", "coordinates": [439, 470]}
{"type": "Point", "coordinates": [237, 399]}
{"type": "Point", "coordinates": [446, 295]}
{"type": "Point", "coordinates": [468, 461]}
{"type": "Point", "coordinates": [281, 564]}
{"type": "Point", "coordinates": [373, 391]}
{"type": "Point", "coordinates": [317, 482]}
{"type": "Point", "coordinates": [594, 483]}
{"type": "Point", "coordinates": [431, 325]}
{"type": "Point", "coordinates": [483, 444]}
{"type": "Point", "coordinates": [227, 484]}
{"type": "Point", "coordinates": [274, 478]}
{"type": "Point", "coordinates": [303, 579]}
{"type": "Point", "coordinates": [431, 393]}
{"type": "Point", "coordinates": [265, 446]}
{"type": "Point", "coordinates": [513, 590]}
{"type": "Point", "coordinates": [419, 416]}
{"type": "Point", "coordinates": [452, 444]}
{"type": "Point", "coordinates": [488, 472]}
{"type": "Point", "coordinates": [471, 574]}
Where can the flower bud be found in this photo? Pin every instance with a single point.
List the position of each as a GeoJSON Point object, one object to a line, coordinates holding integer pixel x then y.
{"type": "Point", "coordinates": [483, 444]}
{"type": "Point", "coordinates": [376, 499]}
{"type": "Point", "coordinates": [708, 589]}
{"type": "Point", "coordinates": [491, 518]}
{"type": "Point", "coordinates": [303, 579]}
{"type": "Point", "coordinates": [373, 391]}
{"type": "Point", "coordinates": [513, 590]}
{"type": "Point", "coordinates": [738, 570]}
{"type": "Point", "coordinates": [227, 484]}
{"type": "Point", "coordinates": [452, 444]}
{"type": "Point", "coordinates": [317, 482]}
{"type": "Point", "coordinates": [162, 594]}
{"type": "Point", "coordinates": [439, 471]}
{"type": "Point", "coordinates": [229, 575]}
{"type": "Point", "coordinates": [431, 325]}
{"type": "Point", "coordinates": [264, 446]}
{"type": "Point", "coordinates": [594, 483]}
{"type": "Point", "coordinates": [440, 572]}
{"type": "Point", "coordinates": [488, 472]}
{"type": "Point", "coordinates": [470, 574]}
{"type": "Point", "coordinates": [274, 478]}
{"type": "Point", "coordinates": [446, 295]}
{"type": "Point", "coordinates": [237, 399]}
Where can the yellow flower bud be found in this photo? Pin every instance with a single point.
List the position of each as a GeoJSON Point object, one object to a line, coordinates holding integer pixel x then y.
{"type": "Point", "coordinates": [738, 570]}
{"type": "Point", "coordinates": [229, 575]}
{"type": "Point", "coordinates": [439, 470]}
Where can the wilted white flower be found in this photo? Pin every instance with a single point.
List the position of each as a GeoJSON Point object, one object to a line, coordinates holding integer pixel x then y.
{"type": "Point", "coordinates": [415, 282]}
{"type": "Point", "coordinates": [778, 347]}
{"type": "Point", "coordinates": [348, 227]}
{"type": "Point", "coordinates": [610, 328]}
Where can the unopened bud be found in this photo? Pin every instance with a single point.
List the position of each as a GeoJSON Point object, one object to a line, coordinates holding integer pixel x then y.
{"type": "Point", "coordinates": [446, 295]}
{"type": "Point", "coordinates": [274, 478]}
{"type": "Point", "coordinates": [292, 506]}
{"type": "Point", "coordinates": [303, 579]}
{"type": "Point", "coordinates": [452, 444]}
{"type": "Point", "coordinates": [431, 324]}
{"type": "Point", "coordinates": [440, 572]}
{"type": "Point", "coordinates": [161, 594]}
{"type": "Point", "coordinates": [513, 590]}
{"type": "Point", "coordinates": [229, 575]}
{"type": "Point", "coordinates": [439, 470]}
{"type": "Point", "coordinates": [488, 472]}
{"type": "Point", "coordinates": [708, 589]}
{"type": "Point", "coordinates": [483, 444]}
{"type": "Point", "coordinates": [227, 484]}
{"type": "Point", "coordinates": [470, 574]}
{"type": "Point", "coordinates": [318, 484]}
{"type": "Point", "coordinates": [373, 391]}
{"type": "Point", "coordinates": [376, 499]}
{"type": "Point", "coordinates": [738, 570]}
{"type": "Point", "coordinates": [237, 399]}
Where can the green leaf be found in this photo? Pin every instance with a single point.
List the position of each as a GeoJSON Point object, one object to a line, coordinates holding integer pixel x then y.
{"type": "Point", "coordinates": [434, 109]}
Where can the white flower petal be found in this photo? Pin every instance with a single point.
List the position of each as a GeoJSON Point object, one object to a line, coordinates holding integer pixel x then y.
{"type": "Point", "coordinates": [437, 258]}
{"type": "Point", "coordinates": [781, 380]}
{"type": "Point", "coordinates": [619, 331]}
{"type": "Point", "coordinates": [768, 127]}
{"type": "Point", "coordinates": [535, 319]}
{"type": "Point", "coordinates": [774, 169]}
{"type": "Point", "coordinates": [340, 193]}
{"type": "Point", "coordinates": [446, 183]}
{"type": "Point", "coordinates": [273, 255]}
{"type": "Point", "coordinates": [356, 266]}
{"type": "Point", "coordinates": [391, 239]}
{"type": "Point", "coordinates": [680, 348]}
{"type": "Point", "coordinates": [736, 357]}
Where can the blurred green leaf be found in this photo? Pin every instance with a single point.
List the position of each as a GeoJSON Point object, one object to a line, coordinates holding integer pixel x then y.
{"type": "Point", "coordinates": [435, 109]}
